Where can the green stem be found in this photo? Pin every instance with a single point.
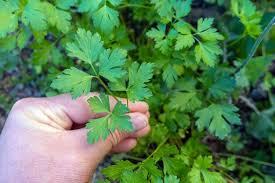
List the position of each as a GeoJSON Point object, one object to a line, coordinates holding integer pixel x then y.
{"type": "Point", "coordinates": [248, 159]}
{"type": "Point", "coordinates": [157, 149]}
{"type": "Point", "coordinates": [225, 174]}
{"type": "Point", "coordinates": [106, 88]}
{"type": "Point", "coordinates": [134, 6]}
{"type": "Point", "coordinates": [256, 44]}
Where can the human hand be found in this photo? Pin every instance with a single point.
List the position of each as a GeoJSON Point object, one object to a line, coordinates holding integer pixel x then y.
{"type": "Point", "coordinates": [44, 140]}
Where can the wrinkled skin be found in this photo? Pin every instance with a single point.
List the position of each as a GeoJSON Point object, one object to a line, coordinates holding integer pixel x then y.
{"type": "Point", "coordinates": [44, 140]}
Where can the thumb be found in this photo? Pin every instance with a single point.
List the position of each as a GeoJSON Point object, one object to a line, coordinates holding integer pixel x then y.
{"type": "Point", "coordinates": [120, 141]}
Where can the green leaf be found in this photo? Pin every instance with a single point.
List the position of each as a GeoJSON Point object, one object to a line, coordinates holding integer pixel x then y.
{"type": "Point", "coordinates": [8, 17]}
{"type": "Point", "coordinates": [111, 62]}
{"type": "Point", "coordinates": [133, 177]}
{"type": "Point", "coordinates": [207, 52]}
{"type": "Point", "coordinates": [185, 101]}
{"type": "Point", "coordinates": [206, 32]}
{"type": "Point", "coordinates": [34, 15]}
{"type": "Point", "coordinates": [86, 46]}
{"type": "Point", "coordinates": [65, 4]}
{"type": "Point", "coordinates": [58, 18]}
{"type": "Point", "coordinates": [114, 172]}
{"type": "Point", "coordinates": [182, 7]}
{"type": "Point", "coordinates": [171, 179]}
{"type": "Point", "coordinates": [165, 151]}
{"type": "Point", "coordinates": [23, 37]}
{"type": "Point", "coordinates": [217, 118]}
{"type": "Point", "coordinates": [152, 169]}
{"type": "Point", "coordinates": [89, 6]}
{"type": "Point", "coordinates": [106, 19]}
{"type": "Point", "coordinates": [163, 42]}
{"type": "Point", "coordinates": [200, 171]}
{"type": "Point", "coordinates": [101, 128]}
{"type": "Point", "coordinates": [139, 75]}
{"type": "Point", "coordinates": [204, 24]}
{"type": "Point", "coordinates": [248, 15]}
{"type": "Point", "coordinates": [164, 8]}
{"type": "Point", "coordinates": [74, 81]}
{"type": "Point", "coordinates": [169, 75]}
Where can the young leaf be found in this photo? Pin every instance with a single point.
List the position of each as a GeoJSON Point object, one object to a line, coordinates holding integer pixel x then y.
{"type": "Point", "coordinates": [139, 75]}
{"type": "Point", "coordinates": [185, 101]}
{"type": "Point", "coordinates": [169, 75]}
{"type": "Point", "coordinates": [74, 81]}
{"type": "Point", "coordinates": [114, 172]}
{"type": "Point", "coordinates": [208, 52]}
{"type": "Point", "coordinates": [200, 171]}
{"type": "Point", "coordinates": [106, 19]}
{"type": "Point", "coordinates": [86, 47]}
{"type": "Point", "coordinates": [133, 177]}
{"type": "Point", "coordinates": [171, 179]}
{"type": "Point", "coordinates": [206, 32]}
{"type": "Point", "coordinates": [111, 63]}
{"type": "Point", "coordinates": [249, 16]}
{"type": "Point", "coordinates": [8, 17]}
{"type": "Point", "coordinates": [217, 118]}
{"type": "Point", "coordinates": [150, 166]}
{"type": "Point", "coordinates": [101, 128]}
{"type": "Point", "coordinates": [34, 15]}
{"type": "Point", "coordinates": [58, 18]}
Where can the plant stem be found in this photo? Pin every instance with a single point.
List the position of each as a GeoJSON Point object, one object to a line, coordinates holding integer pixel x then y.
{"type": "Point", "coordinates": [134, 6]}
{"type": "Point", "coordinates": [106, 88]}
{"type": "Point", "coordinates": [248, 159]}
{"type": "Point", "coordinates": [256, 44]}
{"type": "Point", "coordinates": [225, 174]}
{"type": "Point", "coordinates": [157, 149]}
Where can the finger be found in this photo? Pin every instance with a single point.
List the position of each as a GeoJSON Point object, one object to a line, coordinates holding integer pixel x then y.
{"type": "Point", "coordinates": [124, 146]}
{"type": "Point", "coordinates": [141, 133]}
{"type": "Point", "coordinates": [79, 110]}
{"type": "Point", "coordinates": [139, 121]}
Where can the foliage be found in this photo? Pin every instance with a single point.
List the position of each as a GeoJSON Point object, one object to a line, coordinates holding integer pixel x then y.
{"type": "Point", "coordinates": [212, 110]}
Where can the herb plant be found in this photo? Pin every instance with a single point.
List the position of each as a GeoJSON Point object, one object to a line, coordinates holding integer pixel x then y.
{"type": "Point", "coordinates": [204, 67]}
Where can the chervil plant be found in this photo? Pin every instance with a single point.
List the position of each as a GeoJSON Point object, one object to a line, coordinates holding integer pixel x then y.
{"type": "Point", "coordinates": [204, 67]}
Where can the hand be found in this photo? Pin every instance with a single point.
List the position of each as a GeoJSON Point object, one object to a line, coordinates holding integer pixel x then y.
{"type": "Point", "coordinates": [44, 140]}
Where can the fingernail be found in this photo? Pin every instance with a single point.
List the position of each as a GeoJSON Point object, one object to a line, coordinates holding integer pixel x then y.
{"type": "Point", "coordinates": [139, 122]}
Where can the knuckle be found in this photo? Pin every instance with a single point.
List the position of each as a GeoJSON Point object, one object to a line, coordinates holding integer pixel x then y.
{"type": "Point", "coordinates": [22, 102]}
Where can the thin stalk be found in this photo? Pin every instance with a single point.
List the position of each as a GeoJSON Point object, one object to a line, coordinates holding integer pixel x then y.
{"type": "Point", "coordinates": [106, 87]}
{"type": "Point", "coordinates": [225, 174]}
{"type": "Point", "coordinates": [256, 45]}
{"type": "Point", "coordinates": [134, 6]}
{"type": "Point", "coordinates": [157, 149]}
{"type": "Point", "coordinates": [248, 159]}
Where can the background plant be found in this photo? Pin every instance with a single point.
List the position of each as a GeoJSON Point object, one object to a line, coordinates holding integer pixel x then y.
{"type": "Point", "coordinates": [212, 105]}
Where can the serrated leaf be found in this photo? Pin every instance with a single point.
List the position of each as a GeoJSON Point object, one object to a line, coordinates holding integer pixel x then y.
{"type": "Point", "coordinates": [185, 101]}
{"type": "Point", "coordinates": [207, 52]}
{"type": "Point", "coordinates": [152, 169]}
{"type": "Point", "coordinates": [169, 75]}
{"type": "Point", "coordinates": [8, 17]}
{"type": "Point", "coordinates": [73, 81]}
{"type": "Point", "coordinates": [65, 4]}
{"type": "Point", "coordinates": [200, 171]}
{"type": "Point", "coordinates": [58, 18]}
{"type": "Point", "coordinates": [86, 46]}
{"type": "Point", "coordinates": [133, 177]}
{"type": "Point", "coordinates": [139, 75]}
{"type": "Point", "coordinates": [248, 15]}
{"type": "Point", "coordinates": [217, 119]}
{"type": "Point", "coordinates": [182, 7]}
{"type": "Point", "coordinates": [101, 128]}
{"type": "Point", "coordinates": [171, 179]}
{"type": "Point", "coordinates": [114, 172]}
{"type": "Point", "coordinates": [164, 8]}
{"type": "Point", "coordinates": [111, 63]}
{"type": "Point", "coordinates": [106, 19]}
{"type": "Point", "coordinates": [34, 15]}
{"type": "Point", "coordinates": [88, 5]}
